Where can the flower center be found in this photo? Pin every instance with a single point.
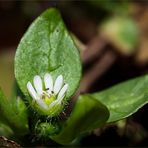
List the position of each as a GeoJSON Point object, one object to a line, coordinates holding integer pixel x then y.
{"type": "Point", "coordinates": [48, 99]}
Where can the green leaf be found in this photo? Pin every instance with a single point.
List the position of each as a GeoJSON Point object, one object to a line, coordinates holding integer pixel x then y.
{"type": "Point", "coordinates": [47, 47]}
{"type": "Point", "coordinates": [126, 98]}
{"type": "Point", "coordinates": [14, 114]}
{"type": "Point", "coordinates": [86, 115]}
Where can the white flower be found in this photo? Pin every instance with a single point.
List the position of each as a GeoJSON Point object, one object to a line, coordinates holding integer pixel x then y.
{"type": "Point", "coordinates": [47, 94]}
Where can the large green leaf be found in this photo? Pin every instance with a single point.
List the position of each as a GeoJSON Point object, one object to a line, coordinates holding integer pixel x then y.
{"type": "Point", "coordinates": [47, 47]}
{"type": "Point", "coordinates": [14, 114]}
{"type": "Point", "coordinates": [87, 114]}
{"type": "Point", "coordinates": [126, 98]}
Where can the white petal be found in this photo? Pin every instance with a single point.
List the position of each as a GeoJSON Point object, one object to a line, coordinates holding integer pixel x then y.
{"type": "Point", "coordinates": [58, 84]}
{"type": "Point", "coordinates": [48, 82]}
{"type": "Point", "coordinates": [52, 104]}
{"type": "Point", "coordinates": [38, 84]}
{"type": "Point", "coordinates": [62, 92]}
{"type": "Point", "coordinates": [60, 97]}
{"type": "Point", "coordinates": [31, 91]}
{"type": "Point", "coordinates": [42, 104]}
{"type": "Point", "coordinates": [55, 103]}
{"type": "Point", "coordinates": [60, 100]}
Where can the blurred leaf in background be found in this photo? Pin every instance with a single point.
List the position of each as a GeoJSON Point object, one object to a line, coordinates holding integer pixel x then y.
{"type": "Point", "coordinates": [114, 6]}
{"type": "Point", "coordinates": [122, 32]}
{"type": "Point", "coordinates": [7, 71]}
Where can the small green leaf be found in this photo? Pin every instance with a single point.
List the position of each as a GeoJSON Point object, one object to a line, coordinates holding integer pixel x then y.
{"type": "Point", "coordinates": [47, 48]}
{"type": "Point", "coordinates": [86, 115]}
{"type": "Point", "coordinates": [125, 99]}
{"type": "Point", "coordinates": [14, 114]}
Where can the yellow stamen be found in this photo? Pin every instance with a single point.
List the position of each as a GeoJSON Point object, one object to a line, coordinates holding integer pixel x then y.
{"type": "Point", "coordinates": [47, 98]}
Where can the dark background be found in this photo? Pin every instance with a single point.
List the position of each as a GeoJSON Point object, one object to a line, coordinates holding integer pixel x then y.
{"type": "Point", "coordinates": [83, 18]}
